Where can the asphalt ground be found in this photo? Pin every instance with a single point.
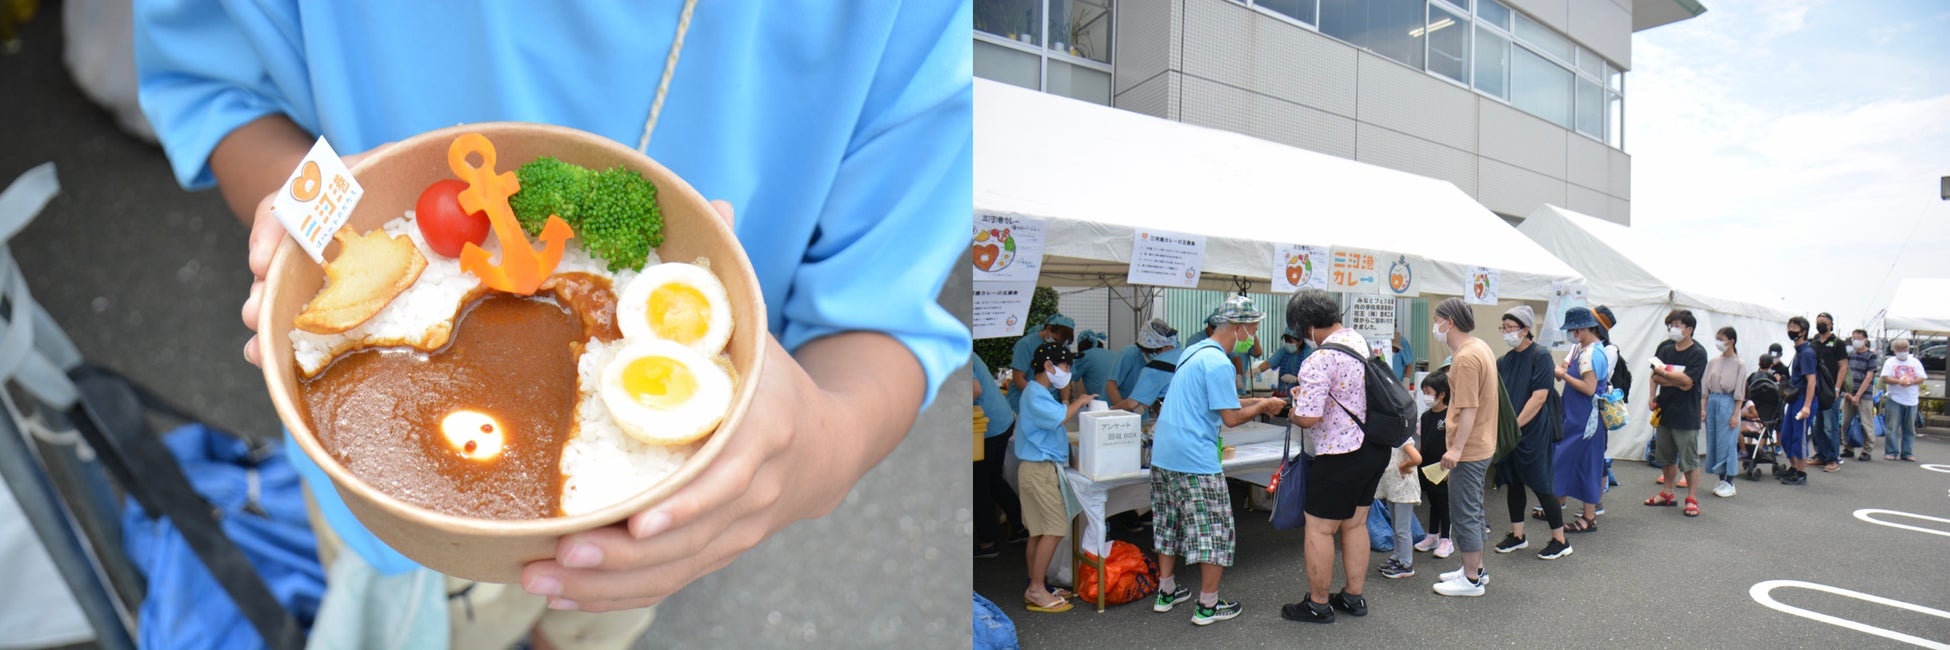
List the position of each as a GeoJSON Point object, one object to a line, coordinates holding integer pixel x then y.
{"type": "Point", "coordinates": [1648, 578]}
{"type": "Point", "coordinates": [149, 279]}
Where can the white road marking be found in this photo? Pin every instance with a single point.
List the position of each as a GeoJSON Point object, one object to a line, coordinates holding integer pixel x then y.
{"type": "Point", "coordinates": [1760, 592]}
{"type": "Point", "coordinates": [1865, 515]}
{"type": "Point", "coordinates": [1936, 468]}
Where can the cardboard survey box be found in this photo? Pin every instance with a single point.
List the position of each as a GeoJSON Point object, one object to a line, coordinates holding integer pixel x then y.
{"type": "Point", "coordinates": [1109, 443]}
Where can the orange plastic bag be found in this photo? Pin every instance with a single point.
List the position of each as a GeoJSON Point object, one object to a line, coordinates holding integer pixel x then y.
{"type": "Point", "coordinates": [1133, 576]}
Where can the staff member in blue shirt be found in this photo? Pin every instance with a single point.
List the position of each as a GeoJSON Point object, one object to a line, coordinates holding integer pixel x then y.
{"type": "Point", "coordinates": [1153, 339]}
{"type": "Point", "coordinates": [990, 489]}
{"type": "Point", "coordinates": [1044, 448]}
{"type": "Point", "coordinates": [1286, 362]}
{"type": "Point", "coordinates": [1191, 507]}
{"type": "Point", "coordinates": [840, 132]}
{"type": "Point", "coordinates": [1094, 361]}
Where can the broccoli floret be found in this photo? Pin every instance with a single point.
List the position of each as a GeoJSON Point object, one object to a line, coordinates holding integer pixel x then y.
{"type": "Point", "coordinates": [549, 186]}
{"type": "Point", "coordinates": [614, 212]}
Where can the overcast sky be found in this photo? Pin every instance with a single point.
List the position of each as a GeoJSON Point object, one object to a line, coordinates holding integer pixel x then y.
{"type": "Point", "coordinates": [1794, 147]}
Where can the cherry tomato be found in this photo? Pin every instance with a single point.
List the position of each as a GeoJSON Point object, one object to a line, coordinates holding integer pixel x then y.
{"type": "Point", "coordinates": [446, 227]}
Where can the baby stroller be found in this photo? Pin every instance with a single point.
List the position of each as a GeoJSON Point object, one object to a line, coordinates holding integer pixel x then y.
{"type": "Point", "coordinates": [1763, 447]}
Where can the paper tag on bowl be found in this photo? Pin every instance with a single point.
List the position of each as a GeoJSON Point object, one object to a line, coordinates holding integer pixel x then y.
{"type": "Point", "coordinates": [317, 199]}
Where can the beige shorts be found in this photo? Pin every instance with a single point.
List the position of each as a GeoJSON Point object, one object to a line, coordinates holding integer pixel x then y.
{"type": "Point", "coordinates": [488, 615]}
{"type": "Point", "coordinates": [1042, 499]}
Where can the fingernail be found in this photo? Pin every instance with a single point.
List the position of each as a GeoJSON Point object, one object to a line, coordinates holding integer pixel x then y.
{"type": "Point", "coordinates": [582, 556]}
{"type": "Point", "coordinates": [545, 586]}
{"type": "Point", "coordinates": [653, 523]}
{"type": "Point", "coordinates": [563, 604]}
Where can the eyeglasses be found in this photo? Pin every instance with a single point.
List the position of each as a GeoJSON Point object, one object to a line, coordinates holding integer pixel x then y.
{"type": "Point", "coordinates": [1507, 328]}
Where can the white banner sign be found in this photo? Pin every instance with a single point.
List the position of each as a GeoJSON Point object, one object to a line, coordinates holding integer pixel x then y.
{"type": "Point", "coordinates": [1353, 271]}
{"type": "Point", "coordinates": [1403, 276]}
{"type": "Point", "coordinates": [1007, 249]}
{"type": "Point", "coordinates": [1001, 308]}
{"type": "Point", "coordinates": [1373, 317]}
{"type": "Point", "coordinates": [1166, 259]}
{"type": "Point", "coordinates": [1480, 288]}
{"type": "Point", "coordinates": [1297, 266]}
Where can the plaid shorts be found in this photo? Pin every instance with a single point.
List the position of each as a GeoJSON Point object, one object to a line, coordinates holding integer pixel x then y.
{"type": "Point", "coordinates": [1192, 516]}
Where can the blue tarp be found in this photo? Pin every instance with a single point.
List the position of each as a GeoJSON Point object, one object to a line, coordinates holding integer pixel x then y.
{"type": "Point", "coordinates": [263, 511]}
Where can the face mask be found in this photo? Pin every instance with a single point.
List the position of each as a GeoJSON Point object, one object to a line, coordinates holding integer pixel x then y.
{"type": "Point", "coordinates": [1292, 348]}
{"type": "Point", "coordinates": [1720, 346]}
{"type": "Point", "coordinates": [1823, 327]}
{"type": "Point", "coordinates": [1059, 378]}
{"type": "Point", "coordinates": [1675, 333]}
{"type": "Point", "coordinates": [1244, 345]}
{"type": "Point", "coordinates": [1512, 338]}
{"type": "Point", "coordinates": [1861, 344]}
{"type": "Point", "coordinates": [1441, 333]}
{"type": "Point", "coordinates": [1902, 356]}
{"type": "Point", "coordinates": [1793, 335]}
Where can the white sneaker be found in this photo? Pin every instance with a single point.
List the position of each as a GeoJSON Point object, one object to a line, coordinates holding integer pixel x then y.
{"type": "Point", "coordinates": [1459, 587]}
{"type": "Point", "coordinates": [1482, 575]}
{"type": "Point", "coordinates": [1724, 489]}
{"type": "Point", "coordinates": [1427, 544]}
{"type": "Point", "coordinates": [1444, 548]}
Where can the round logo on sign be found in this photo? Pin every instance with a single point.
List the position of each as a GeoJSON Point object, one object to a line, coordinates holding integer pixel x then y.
{"type": "Point", "coordinates": [1299, 268]}
{"type": "Point", "coordinates": [1401, 276]}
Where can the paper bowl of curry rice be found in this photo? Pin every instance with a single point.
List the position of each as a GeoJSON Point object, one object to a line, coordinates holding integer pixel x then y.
{"type": "Point", "coordinates": [483, 366]}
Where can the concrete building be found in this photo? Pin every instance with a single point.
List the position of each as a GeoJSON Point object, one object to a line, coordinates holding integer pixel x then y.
{"type": "Point", "coordinates": [1520, 103]}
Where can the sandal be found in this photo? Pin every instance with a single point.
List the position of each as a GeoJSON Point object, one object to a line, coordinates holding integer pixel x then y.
{"type": "Point", "coordinates": [1581, 525]}
{"type": "Point", "coordinates": [1058, 607]}
{"type": "Point", "coordinates": [1664, 499]}
{"type": "Point", "coordinates": [1692, 507]}
{"type": "Point", "coordinates": [1537, 513]}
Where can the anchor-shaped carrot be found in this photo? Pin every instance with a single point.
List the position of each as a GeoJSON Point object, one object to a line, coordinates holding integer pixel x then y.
{"type": "Point", "coordinates": [522, 268]}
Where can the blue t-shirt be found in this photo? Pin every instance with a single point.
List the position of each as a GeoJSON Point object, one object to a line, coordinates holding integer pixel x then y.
{"type": "Point", "coordinates": [1091, 370]}
{"type": "Point", "coordinates": [1039, 428]}
{"type": "Point", "coordinates": [994, 406]}
{"type": "Point", "coordinates": [1403, 359]}
{"type": "Point", "coordinates": [1152, 382]}
{"type": "Point", "coordinates": [1286, 363]}
{"type": "Point", "coordinates": [1019, 358]}
{"type": "Point", "coordinates": [1806, 362]}
{"type": "Point", "coordinates": [1129, 362]}
{"type": "Point", "coordinates": [1187, 436]}
{"type": "Point", "coordinates": [1196, 338]}
{"type": "Point", "coordinates": [838, 134]}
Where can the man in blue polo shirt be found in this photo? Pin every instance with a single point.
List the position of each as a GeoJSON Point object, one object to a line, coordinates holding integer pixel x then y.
{"type": "Point", "coordinates": [1191, 505]}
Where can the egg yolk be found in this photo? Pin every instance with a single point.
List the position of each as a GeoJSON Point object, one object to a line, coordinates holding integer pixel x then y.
{"type": "Point", "coordinates": [660, 383]}
{"type": "Point", "coordinates": [679, 313]}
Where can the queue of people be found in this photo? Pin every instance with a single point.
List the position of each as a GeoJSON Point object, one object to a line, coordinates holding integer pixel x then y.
{"type": "Point", "coordinates": [1525, 422]}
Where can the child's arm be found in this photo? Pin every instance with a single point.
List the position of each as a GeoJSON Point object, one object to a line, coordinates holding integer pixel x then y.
{"type": "Point", "coordinates": [1411, 458]}
{"type": "Point", "coordinates": [1077, 404]}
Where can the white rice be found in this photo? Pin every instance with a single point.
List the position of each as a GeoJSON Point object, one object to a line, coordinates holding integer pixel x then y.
{"type": "Point", "coordinates": [603, 465]}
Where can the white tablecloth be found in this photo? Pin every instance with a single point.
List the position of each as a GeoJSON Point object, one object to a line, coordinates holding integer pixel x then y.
{"type": "Point", "coordinates": [1253, 463]}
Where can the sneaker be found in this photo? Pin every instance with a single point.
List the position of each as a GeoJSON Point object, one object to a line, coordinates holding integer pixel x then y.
{"type": "Point", "coordinates": [1353, 605]}
{"type": "Point", "coordinates": [1225, 610]}
{"type": "Point", "coordinates": [1482, 575]}
{"type": "Point", "coordinates": [1393, 570]}
{"type": "Point", "coordinates": [1460, 587]}
{"type": "Point", "coordinates": [1445, 548]}
{"type": "Point", "coordinates": [1724, 489]}
{"type": "Point", "coordinates": [1427, 544]}
{"type": "Point", "coordinates": [1307, 611]}
{"type": "Point", "coordinates": [1795, 478]}
{"type": "Point", "coordinates": [1512, 543]}
{"type": "Point", "coordinates": [1554, 550]}
{"type": "Point", "coordinates": [1166, 601]}
{"type": "Point", "coordinates": [1600, 512]}
{"type": "Point", "coordinates": [985, 553]}
{"type": "Point", "coordinates": [1864, 456]}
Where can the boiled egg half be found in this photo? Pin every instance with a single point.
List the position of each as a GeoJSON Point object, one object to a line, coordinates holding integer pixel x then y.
{"type": "Point", "coordinates": [677, 302]}
{"type": "Point", "coordinates": [665, 393]}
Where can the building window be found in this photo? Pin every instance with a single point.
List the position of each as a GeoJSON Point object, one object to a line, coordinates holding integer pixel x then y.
{"type": "Point", "coordinates": [1494, 13]}
{"type": "Point", "coordinates": [1540, 87]}
{"type": "Point", "coordinates": [1448, 36]}
{"type": "Point", "coordinates": [1614, 121]}
{"type": "Point", "coordinates": [1301, 10]}
{"type": "Point", "coordinates": [1010, 37]}
{"type": "Point", "coordinates": [1591, 109]}
{"type": "Point", "coordinates": [1535, 34]}
{"type": "Point", "coordinates": [1391, 28]}
{"type": "Point", "coordinates": [1492, 64]}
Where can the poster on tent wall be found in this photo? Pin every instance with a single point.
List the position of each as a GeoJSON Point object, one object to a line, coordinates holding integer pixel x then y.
{"type": "Point", "coordinates": [1298, 266]}
{"type": "Point", "coordinates": [1166, 259]}
{"type": "Point", "coordinates": [1481, 288]}
{"type": "Point", "coordinates": [1001, 308]}
{"type": "Point", "coordinates": [1353, 271]}
{"type": "Point", "coordinates": [1007, 249]}
{"type": "Point", "coordinates": [1402, 282]}
{"type": "Point", "coordinates": [1373, 317]}
{"type": "Point", "coordinates": [1565, 294]}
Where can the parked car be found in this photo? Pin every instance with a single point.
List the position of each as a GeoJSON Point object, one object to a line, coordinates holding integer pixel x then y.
{"type": "Point", "coordinates": [1932, 356]}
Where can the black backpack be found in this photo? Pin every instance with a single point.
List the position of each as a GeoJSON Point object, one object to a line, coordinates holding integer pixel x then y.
{"type": "Point", "coordinates": [1391, 411]}
{"type": "Point", "coordinates": [1621, 376]}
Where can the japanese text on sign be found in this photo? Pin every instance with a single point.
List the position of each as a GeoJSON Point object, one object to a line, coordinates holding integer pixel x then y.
{"type": "Point", "coordinates": [1000, 308]}
{"type": "Point", "coordinates": [317, 200]}
{"type": "Point", "coordinates": [1354, 272]}
{"type": "Point", "coordinates": [1166, 259]}
{"type": "Point", "coordinates": [1373, 317]}
{"type": "Point", "coordinates": [1007, 249]}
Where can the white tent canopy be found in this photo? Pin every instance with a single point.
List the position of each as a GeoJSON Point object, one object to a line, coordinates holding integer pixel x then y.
{"type": "Point", "coordinates": [1921, 305]}
{"type": "Point", "coordinates": [1626, 271]}
{"type": "Point", "coordinates": [1097, 175]}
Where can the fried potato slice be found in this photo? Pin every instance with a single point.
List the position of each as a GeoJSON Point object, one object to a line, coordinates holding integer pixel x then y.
{"type": "Point", "coordinates": [369, 271]}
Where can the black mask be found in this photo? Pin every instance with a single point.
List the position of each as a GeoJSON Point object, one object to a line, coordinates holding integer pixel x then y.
{"type": "Point", "coordinates": [1794, 335]}
{"type": "Point", "coordinates": [1823, 327]}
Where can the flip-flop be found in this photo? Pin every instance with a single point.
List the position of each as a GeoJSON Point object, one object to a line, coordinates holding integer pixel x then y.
{"type": "Point", "coordinates": [1058, 608]}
